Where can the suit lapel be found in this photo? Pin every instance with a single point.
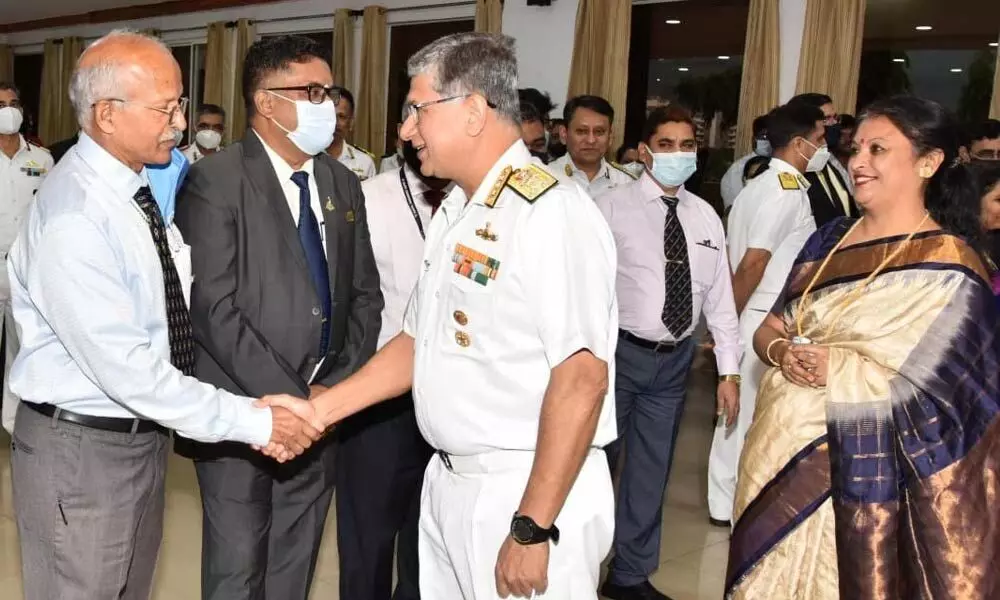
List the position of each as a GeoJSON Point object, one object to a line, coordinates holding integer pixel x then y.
{"type": "Point", "coordinates": [261, 173]}
{"type": "Point", "coordinates": [337, 212]}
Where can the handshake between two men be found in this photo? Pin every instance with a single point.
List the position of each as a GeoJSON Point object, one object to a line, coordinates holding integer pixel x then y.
{"type": "Point", "coordinates": [295, 424]}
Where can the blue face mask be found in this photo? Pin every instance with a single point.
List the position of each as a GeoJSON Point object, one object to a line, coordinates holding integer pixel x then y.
{"type": "Point", "coordinates": [672, 169]}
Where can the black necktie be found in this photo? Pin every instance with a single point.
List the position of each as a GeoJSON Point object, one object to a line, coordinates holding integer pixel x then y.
{"type": "Point", "coordinates": [179, 330]}
{"type": "Point", "coordinates": [677, 309]}
{"type": "Point", "coordinates": [312, 244]}
{"type": "Point", "coordinates": [434, 198]}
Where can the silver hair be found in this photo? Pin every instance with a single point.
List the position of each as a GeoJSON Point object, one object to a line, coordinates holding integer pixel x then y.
{"type": "Point", "coordinates": [472, 63]}
{"type": "Point", "coordinates": [104, 79]}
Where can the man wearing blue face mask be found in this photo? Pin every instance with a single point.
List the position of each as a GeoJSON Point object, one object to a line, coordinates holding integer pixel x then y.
{"type": "Point", "coordinates": [672, 268]}
{"type": "Point", "coordinates": [286, 298]}
{"type": "Point", "coordinates": [733, 181]}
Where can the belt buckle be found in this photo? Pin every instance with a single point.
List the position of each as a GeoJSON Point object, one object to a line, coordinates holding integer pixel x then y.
{"type": "Point", "coordinates": [661, 344]}
{"type": "Point", "coordinates": [446, 460]}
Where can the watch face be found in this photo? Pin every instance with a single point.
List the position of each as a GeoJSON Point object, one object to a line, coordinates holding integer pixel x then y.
{"type": "Point", "coordinates": [521, 530]}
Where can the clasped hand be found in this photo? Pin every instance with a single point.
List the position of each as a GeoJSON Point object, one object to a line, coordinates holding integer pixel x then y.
{"type": "Point", "coordinates": [806, 365]}
{"type": "Point", "coordinates": [295, 426]}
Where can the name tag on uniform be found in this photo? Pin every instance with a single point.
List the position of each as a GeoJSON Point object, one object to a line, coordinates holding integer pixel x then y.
{"type": "Point", "coordinates": [33, 171]}
{"type": "Point", "coordinates": [475, 265]}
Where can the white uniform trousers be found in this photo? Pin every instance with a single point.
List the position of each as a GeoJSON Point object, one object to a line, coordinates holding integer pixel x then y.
{"type": "Point", "coordinates": [465, 515]}
{"type": "Point", "coordinates": [10, 401]}
{"type": "Point", "coordinates": [727, 444]}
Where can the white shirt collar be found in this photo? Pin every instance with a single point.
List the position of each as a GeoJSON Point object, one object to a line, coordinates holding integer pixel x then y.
{"type": "Point", "coordinates": [282, 169]}
{"type": "Point", "coordinates": [115, 172]}
{"type": "Point", "coordinates": [781, 165]}
{"type": "Point", "coordinates": [652, 192]}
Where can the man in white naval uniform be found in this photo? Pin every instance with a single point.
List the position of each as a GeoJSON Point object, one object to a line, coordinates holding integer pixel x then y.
{"type": "Point", "coordinates": [768, 225]}
{"type": "Point", "coordinates": [508, 342]}
{"type": "Point", "coordinates": [589, 122]}
{"type": "Point", "coordinates": [361, 162]}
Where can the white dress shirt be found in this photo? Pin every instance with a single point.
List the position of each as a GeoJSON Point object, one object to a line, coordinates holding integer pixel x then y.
{"type": "Point", "coordinates": [485, 351]}
{"type": "Point", "coordinates": [284, 172]}
{"type": "Point", "coordinates": [732, 182]}
{"type": "Point", "coordinates": [390, 163]}
{"type": "Point", "coordinates": [637, 215]}
{"type": "Point", "coordinates": [396, 241]}
{"type": "Point", "coordinates": [20, 177]}
{"type": "Point", "coordinates": [88, 299]}
{"type": "Point", "coordinates": [358, 161]}
{"type": "Point", "coordinates": [609, 176]}
{"type": "Point", "coordinates": [769, 216]}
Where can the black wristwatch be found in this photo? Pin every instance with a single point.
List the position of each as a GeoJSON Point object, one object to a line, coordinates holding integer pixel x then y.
{"type": "Point", "coordinates": [526, 532]}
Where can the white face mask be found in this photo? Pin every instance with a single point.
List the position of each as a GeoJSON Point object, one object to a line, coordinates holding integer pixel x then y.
{"type": "Point", "coordinates": [819, 158]}
{"type": "Point", "coordinates": [209, 139]}
{"type": "Point", "coordinates": [672, 169]}
{"type": "Point", "coordinates": [317, 125]}
{"type": "Point", "coordinates": [10, 120]}
{"type": "Point", "coordinates": [635, 168]}
{"type": "Point", "coordinates": [762, 147]}
{"type": "Point", "coordinates": [178, 137]}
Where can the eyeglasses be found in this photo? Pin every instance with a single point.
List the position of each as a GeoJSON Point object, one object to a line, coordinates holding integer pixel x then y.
{"type": "Point", "coordinates": [178, 109]}
{"type": "Point", "coordinates": [413, 110]}
{"type": "Point", "coordinates": [316, 93]}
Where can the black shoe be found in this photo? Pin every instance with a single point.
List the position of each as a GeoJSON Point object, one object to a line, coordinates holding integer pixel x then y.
{"type": "Point", "coordinates": [642, 591]}
{"type": "Point", "coordinates": [720, 523]}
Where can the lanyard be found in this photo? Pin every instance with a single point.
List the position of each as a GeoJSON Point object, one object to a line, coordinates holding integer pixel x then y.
{"type": "Point", "coordinates": [409, 200]}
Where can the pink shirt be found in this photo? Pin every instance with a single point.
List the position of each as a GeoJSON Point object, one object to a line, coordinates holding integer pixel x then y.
{"type": "Point", "coordinates": [636, 215]}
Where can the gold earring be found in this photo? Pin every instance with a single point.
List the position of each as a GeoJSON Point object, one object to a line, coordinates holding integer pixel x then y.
{"type": "Point", "coordinates": [926, 172]}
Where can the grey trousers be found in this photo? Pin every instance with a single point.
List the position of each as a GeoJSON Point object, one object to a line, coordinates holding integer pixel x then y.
{"type": "Point", "coordinates": [89, 508]}
{"type": "Point", "coordinates": [263, 523]}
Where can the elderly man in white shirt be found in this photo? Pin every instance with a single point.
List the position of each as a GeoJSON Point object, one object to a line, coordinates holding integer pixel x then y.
{"type": "Point", "coordinates": [106, 342]}
{"type": "Point", "coordinates": [672, 268]}
{"type": "Point", "coordinates": [382, 456]}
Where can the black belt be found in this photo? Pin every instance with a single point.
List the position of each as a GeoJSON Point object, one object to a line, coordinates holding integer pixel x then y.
{"type": "Point", "coordinates": [664, 347]}
{"type": "Point", "coordinates": [103, 423]}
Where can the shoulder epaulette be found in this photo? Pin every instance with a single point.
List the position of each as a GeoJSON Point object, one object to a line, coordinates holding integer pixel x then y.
{"type": "Point", "coordinates": [372, 156]}
{"type": "Point", "coordinates": [788, 181]}
{"type": "Point", "coordinates": [622, 169]}
{"type": "Point", "coordinates": [31, 146]}
{"type": "Point", "coordinates": [531, 182]}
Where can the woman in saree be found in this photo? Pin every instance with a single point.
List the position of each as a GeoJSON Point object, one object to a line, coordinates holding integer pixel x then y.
{"type": "Point", "coordinates": [872, 467]}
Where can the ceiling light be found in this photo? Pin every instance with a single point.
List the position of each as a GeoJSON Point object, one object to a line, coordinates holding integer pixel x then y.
{"type": "Point", "coordinates": [658, 80]}
{"type": "Point", "coordinates": [923, 28]}
{"type": "Point", "coordinates": [723, 57]}
{"type": "Point", "coordinates": [956, 70]}
{"type": "Point", "coordinates": [683, 69]}
{"type": "Point", "coordinates": [673, 22]}
{"type": "Point", "coordinates": [994, 44]}
{"type": "Point", "coordinates": [901, 60]}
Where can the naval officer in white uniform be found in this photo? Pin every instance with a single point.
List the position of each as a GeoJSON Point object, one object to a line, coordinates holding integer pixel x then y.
{"type": "Point", "coordinates": [508, 342]}
{"type": "Point", "coordinates": [768, 225]}
{"type": "Point", "coordinates": [361, 162]}
{"type": "Point", "coordinates": [589, 122]}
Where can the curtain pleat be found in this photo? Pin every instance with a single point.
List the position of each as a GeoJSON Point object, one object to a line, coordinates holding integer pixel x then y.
{"type": "Point", "coordinates": [600, 55]}
{"type": "Point", "coordinates": [6, 63]}
{"type": "Point", "coordinates": [343, 47]}
{"type": "Point", "coordinates": [759, 82]}
{"type": "Point", "coordinates": [830, 60]}
{"type": "Point", "coordinates": [995, 104]}
{"type": "Point", "coordinates": [215, 54]}
{"type": "Point", "coordinates": [72, 48]}
{"type": "Point", "coordinates": [369, 131]}
{"type": "Point", "coordinates": [489, 16]}
{"type": "Point", "coordinates": [56, 118]}
{"type": "Point", "coordinates": [246, 33]}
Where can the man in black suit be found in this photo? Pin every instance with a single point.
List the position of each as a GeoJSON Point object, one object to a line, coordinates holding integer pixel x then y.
{"type": "Point", "coordinates": [286, 298]}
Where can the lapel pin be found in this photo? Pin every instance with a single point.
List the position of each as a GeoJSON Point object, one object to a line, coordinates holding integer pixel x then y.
{"type": "Point", "coordinates": [486, 234]}
{"type": "Point", "coordinates": [329, 205]}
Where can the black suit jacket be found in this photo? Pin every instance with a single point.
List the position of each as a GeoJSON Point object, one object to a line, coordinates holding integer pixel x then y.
{"type": "Point", "coordinates": [825, 208]}
{"type": "Point", "coordinates": [255, 313]}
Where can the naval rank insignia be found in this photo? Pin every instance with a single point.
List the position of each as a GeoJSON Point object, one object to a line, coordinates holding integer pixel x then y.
{"type": "Point", "coordinates": [531, 182]}
{"type": "Point", "coordinates": [788, 181]}
{"type": "Point", "coordinates": [486, 233]}
{"type": "Point", "coordinates": [474, 264]}
{"type": "Point", "coordinates": [491, 199]}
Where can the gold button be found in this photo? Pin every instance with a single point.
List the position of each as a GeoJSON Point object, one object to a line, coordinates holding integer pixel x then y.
{"type": "Point", "coordinates": [462, 339]}
{"type": "Point", "coordinates": [461, 318]}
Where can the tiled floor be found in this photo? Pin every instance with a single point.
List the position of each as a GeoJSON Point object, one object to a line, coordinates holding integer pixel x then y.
{"type": "Point", "coordinates": [693, 555]}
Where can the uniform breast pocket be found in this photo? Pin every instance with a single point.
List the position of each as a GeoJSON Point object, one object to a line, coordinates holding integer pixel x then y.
{"type": "Point", "coordinates": [470, 319]}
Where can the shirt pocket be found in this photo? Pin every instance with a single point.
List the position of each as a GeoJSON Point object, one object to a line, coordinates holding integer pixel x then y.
{"type": "Point", "coordinates": [703, 261]}
{"type": "Point", "coordinates": [469, 320]}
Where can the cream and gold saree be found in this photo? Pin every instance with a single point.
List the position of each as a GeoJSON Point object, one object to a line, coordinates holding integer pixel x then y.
{"type": "Point", "coordinates": [886, 483]}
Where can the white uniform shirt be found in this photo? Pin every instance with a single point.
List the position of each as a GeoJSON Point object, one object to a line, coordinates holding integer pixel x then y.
{"type": "Point", "coordinates": [484, 353]}
{"type": "Point", "coordinates": [88, 298]}
{"type": "Point", "coordinates": [608, 176]}
{"type": "Point", "coordinates": [396, 241]}
{"type": "Point", "coordinates": [193, 153]}
{"type": "Point", "coordinates": [358, 161]}
{"type": "Point", "coordinates": [390, 163]}
{"type": "Point", "coordinates": [732, 182]}
{"type": "Point", "coordinates": [20, 178]}
{"type": "Point", "coordinates": [767, 216]}
{"type": "Point", "coordinates": [637, 214]}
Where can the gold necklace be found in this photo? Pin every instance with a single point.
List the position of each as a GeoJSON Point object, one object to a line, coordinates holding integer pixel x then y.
{"type": "Point", "coordinates": [857, 291]}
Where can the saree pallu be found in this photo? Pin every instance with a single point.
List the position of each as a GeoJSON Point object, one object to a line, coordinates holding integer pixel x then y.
{"type": "Point", "coordinates": [886, 483]}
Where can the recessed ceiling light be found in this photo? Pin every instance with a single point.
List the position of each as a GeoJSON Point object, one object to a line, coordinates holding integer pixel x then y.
{"type": "Point", "coordinates": [902, 60]}
{"type": "Point", "coordinates": [956, 70]}
{"type": "Point", "coordinates": [673, 22]}
{"type": "Point", "coordinates": [723, 57]}
{"type": "Point", "coordinates": [658, 80]}
{"type": "Point", "coordinates": [923, 28]}
{"type": "Point", "coordinates": [994, 44]}
{"type": "Point", "coordinates": [683, 69]}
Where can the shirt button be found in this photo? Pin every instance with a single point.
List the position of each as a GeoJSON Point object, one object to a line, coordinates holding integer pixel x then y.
{"type": "Point", "coordinates": [461, 318]}
{"type": "Point", "coordinates": [462, 339]}
{"type": "Point", "coordinates": [315, 311]}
